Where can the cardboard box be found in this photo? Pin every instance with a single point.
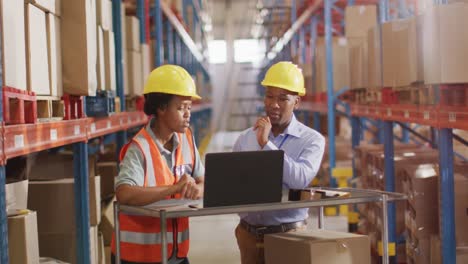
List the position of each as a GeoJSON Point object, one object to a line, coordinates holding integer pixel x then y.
{"type": "Point", "coordinates": [104, 14]}
{"type": "Point", "coordinates": [316, 247]}
{"type": "Point", "coordinates": [54, 202]}
{"type": "Point", "coordinates": [134, 68]}
{"type": "Point", "coordinates": [108, 252]}
{"type": "Point", "coordinates": [108, 171]}
{"type": "Point", "coordinates": [145, 60]}
{"type": "Point", "coordinates": [461, 208]}
{"type": "Point", "coordinates": [374, 64]}
{"type": "Point", "coordinates": [101, 250]}
{"type": "Point", "coordinates": [444, 45]}
{"type": "Point", "coordinates": [37, 58]}
{"type": "Point", "coordinates": [359, 19]}
{"type": "Point", "coordinates": [13, 44]}
{"type": "Point", "coordinates": [23, 245]}
{"type": "Point", "coordinates": [63, 246]}
{"type": "Point", "coordinates": [340, 65]}
{"type": "Point", "coordinates": [16, 195]}
{"type": "Point", "coordinates": [401, 49]}
{"type": "Point", "coordinates": [109, 58]}
{"type": "Point", "coordinates": [45, 5]}
{"type": "Point", "coordinates": [79, 51]}
{"type": "Point", "coordinates": [107, 222]}
{"type": "Point", "coordinates": [101, 62]}
{"type": "Point", "coordinates": [54, 167]}
{"type": "Point", "coordinates": [132, 26]}
{"type": "Point", "coordinates": [55, 55]}
{"type": "Point", "coordinates": [357, 50]}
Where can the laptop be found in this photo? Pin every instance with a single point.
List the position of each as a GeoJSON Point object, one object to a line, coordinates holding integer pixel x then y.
{"type": "Point", "coordinates": [239, 178]}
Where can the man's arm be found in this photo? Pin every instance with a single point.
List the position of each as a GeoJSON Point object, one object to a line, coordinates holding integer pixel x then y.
{"type": "Point", "coordinates": [298, 174]}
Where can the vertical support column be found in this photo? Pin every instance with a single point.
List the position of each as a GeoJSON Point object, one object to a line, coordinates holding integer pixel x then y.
{"type": "Point", "coordinates": [330, 85]}
{"type": "Point", "coordinates": [447, 200]}
{"type": "Point", "coordinates": [170, 43]}
{"type": "Point", "coordinates": [355, 137]}
{"type": "Point", "coordinates": [3, 212]}
{"type": "Point", "coordinates": [178, 50]}
{"type": "Point", "coordinates": [3, 219]}
{"type": "Point", "coordinates": [302, 44]}
{"type": "Point", "coordinates": [117, 25]}
{"type": "Point", "coordinates": [141, 17]}
{"type": "Point", "coordinates": [390, 184]}
{"type": "Point", "coordinates": [80, 170]}
{"type": "Point", "coordinates": [159, 54]}
{"type": "Point", "coordinates": [294, 40]}
{"type": "Point", "coordinates": [405, 135]}
{"type": "Point", "coordinates": [434, 137]}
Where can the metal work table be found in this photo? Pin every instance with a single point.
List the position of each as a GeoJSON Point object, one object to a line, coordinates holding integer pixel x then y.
{"type": "Point", "coordinates": [356, 196]}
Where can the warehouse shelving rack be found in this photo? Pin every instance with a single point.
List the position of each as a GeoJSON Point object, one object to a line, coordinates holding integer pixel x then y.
{"type": "Point", "coordinates": [18, 140]}
{"type": "Point", "coordinates": [442, 120]}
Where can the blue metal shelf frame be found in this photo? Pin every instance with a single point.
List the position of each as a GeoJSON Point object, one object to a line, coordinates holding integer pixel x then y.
{"type": "Point", "coordinates": [3, 212]}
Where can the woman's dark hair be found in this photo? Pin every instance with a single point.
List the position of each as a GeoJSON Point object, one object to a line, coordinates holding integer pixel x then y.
{"type": "Point", "coordinates": [155, 101]}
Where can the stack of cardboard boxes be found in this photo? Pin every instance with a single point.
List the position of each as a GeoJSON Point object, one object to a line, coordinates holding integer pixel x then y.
{"type": "Point", "coordinates": [52, 195]}
{"type": "Point", "coordinates": [416, 175]}
{"type": "Point", "coordinates": [31, 46]}
{"type": "Point", "coordinates": [105, 46]}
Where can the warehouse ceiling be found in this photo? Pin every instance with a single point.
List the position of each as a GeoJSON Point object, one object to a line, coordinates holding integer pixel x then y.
{"type": "Point", "coordinates": [241, 13]}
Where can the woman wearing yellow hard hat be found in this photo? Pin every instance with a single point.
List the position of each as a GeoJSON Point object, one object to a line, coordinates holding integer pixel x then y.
{"type": "Point", "coordinates": [160, 162]}
{"type": "Point", "coordinates": [303, 150]}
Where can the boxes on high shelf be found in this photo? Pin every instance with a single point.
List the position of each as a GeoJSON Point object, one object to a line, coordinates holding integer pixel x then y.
{"type": "Point", "coordinates": [79, 49]}
{"type": "Point", "coordinates": [23, 244]}
{"type": "Point", "coordinates": [132, 26]}
{"type": "Point", "coordinates": [104, 14]}
{"type": "Point", "coordinates": [340, 64]}
{"type": "Point", "coordinates": [109, 58]}
{"type": "Point", "coordinates": [101, 62]}
{"type": "Point", "coordinates": [145, 61]}
{"type": "Point", "coordinates": [37, 59]}
{"type": "Point", "coordinates": [359, 19]}
{"type": "Point", "coordinates": [374, 65]}
{"type": "Point", "coordinates": [316, 247]}
{"type": "Point", "coordinates": [135, 74]}
{"type": "Point", "coordinates": [402, 52]}
{"type": "Point", "coordinates": [13, 44]}
{"type": "Point", "coordinates": [55, 55]}
{"type": "Point", "coordinates": [444, 44]}
{"type": "Point", "coordinates": [357, 51]}
{"type": "Point", "coordinates": [45, 5]}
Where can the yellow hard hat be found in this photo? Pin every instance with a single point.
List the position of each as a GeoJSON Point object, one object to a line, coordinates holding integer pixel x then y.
{"type": "Point", "coordinates": [285, 75]}
{"type": "Point", "coordinates": [171, 79]}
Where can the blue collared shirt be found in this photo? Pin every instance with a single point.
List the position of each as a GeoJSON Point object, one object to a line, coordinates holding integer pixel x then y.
{"type": "Point", "coordinates": [303, 148]}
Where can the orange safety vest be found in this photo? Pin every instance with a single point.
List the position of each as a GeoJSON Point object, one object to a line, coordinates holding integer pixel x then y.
{"type": "Point", "coordinates": [140, 239]}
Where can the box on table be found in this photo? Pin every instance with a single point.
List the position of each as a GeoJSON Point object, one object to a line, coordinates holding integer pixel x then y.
{"type": "Point", "coordinates": [316, 247]}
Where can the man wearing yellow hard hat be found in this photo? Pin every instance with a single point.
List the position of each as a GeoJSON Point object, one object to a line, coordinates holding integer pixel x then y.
{"type": "Point", "coordinates": [160, 162]}
{"type": "Point", "coordinates": [303, 150]}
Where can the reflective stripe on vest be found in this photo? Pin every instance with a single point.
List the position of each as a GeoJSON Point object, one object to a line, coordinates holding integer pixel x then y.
{"type": "Point", "coordinates": [146, 238]}
{"type": "Point", "coordinates": [140, 235]}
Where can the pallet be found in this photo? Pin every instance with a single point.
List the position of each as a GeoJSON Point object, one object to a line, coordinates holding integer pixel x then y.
{"type": "Point", "coordinates": [101, 105]}
{"type": "Point", "coordinates": [74, 106]}
{"type": "Point", "coordinates": [50, 108]}
{"type": "Point", "coordinates": [19, 106]}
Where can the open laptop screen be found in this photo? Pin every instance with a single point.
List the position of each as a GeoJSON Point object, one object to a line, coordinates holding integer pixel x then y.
{"type": "Point", "coordinates": [238, 178]}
